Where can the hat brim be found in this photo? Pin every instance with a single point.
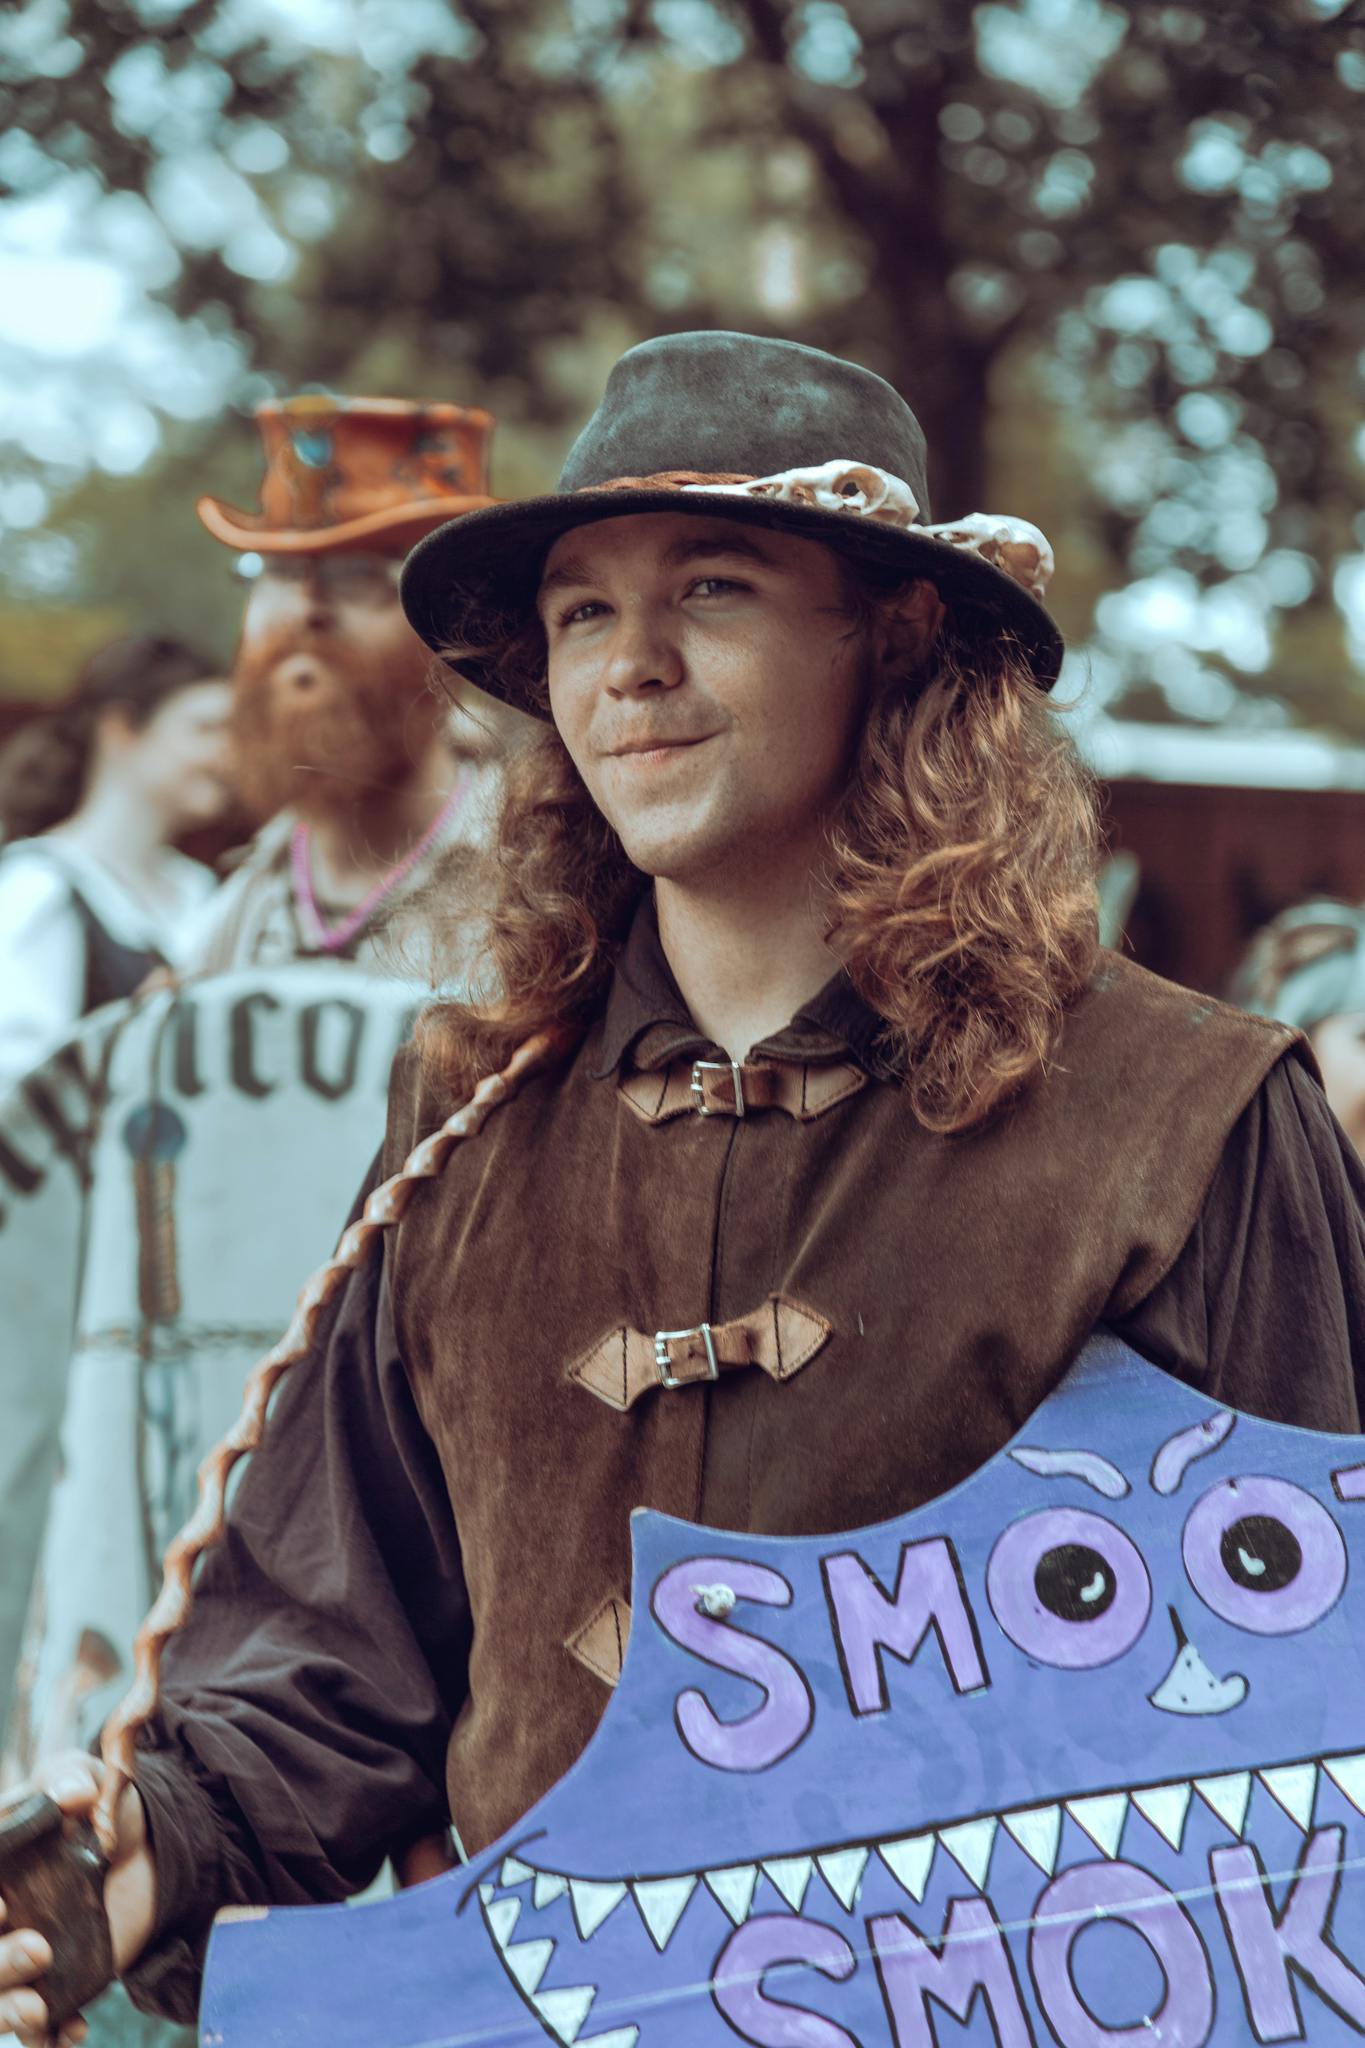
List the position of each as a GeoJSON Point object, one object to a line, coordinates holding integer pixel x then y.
{"type": "Point", "coordinates": [490, 564]}
{"type": "Point", "coordinates": [399, 527]}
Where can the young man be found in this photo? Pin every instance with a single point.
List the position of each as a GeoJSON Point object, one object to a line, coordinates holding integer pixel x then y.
{"type": "Point", "coordinates": [848, 1140]}
{"type": "Point", "coordinates": [340, 743]}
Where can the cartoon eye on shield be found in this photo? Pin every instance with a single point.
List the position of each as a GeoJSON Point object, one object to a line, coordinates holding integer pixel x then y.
{"type": "Point", "coordinates": [1264, 1555]}
{"type": "Point", "coordinates": [1069, 1588]}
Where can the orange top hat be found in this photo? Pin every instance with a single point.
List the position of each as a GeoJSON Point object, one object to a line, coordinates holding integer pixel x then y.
{"type": "Point", "coordinates": [358, 473]}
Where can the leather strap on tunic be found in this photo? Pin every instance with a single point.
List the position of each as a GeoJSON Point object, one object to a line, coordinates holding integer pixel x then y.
{"type": "Point", "coordinates": [734, 1088]}
{"type": "Point", "coordinates": [779, 1337]}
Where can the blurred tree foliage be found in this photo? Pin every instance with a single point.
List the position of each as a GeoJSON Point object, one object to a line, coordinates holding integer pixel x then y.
{"type": "Point", "coordinates": [1110, 253]}
{"type": "Point", "coordinates": [1156, 208]}
{"type": "Point", "coordinates": [445, 175]}
{"type": "Point", "coordinates": [978, 181]}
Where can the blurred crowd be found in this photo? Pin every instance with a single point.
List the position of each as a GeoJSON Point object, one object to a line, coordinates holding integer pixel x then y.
{"type": "Point", "coordinates": [168, 829]}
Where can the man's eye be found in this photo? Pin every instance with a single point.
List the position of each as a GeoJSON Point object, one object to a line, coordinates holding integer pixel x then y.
{"type": "Point", "coordinates": [576, 614]}
{"type": "Point", "coordinates": [714, 586]}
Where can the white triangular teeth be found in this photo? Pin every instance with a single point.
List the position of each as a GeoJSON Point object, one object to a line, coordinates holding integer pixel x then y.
{"type": "Point", "coordinates": [909, 1862]}
{"type": "Point", "coordinates": [970, 1846]}
{"type": "Point", "coordinates": [528, 1961]}
{"type": "Point", "coordinates": [842, 1871]}
{"type": "Point", "coordinates": [1348, 1775]}
{"type": "Point", "coordinates": [502, 1918]}
{"type": "Point", "coordinates": [1038, 1831]}
{"type": "Point", "coordinates": [1165, 1806]}
{"type": "Point", "coordinates": [1294, 1787]}
{"type": "Point", "coordinates": [791, 1875]}
{"type": "Point", "coordinates": [565, 2011]}
{"type": "Point", "coordinates": [1227, 1795]}
{"type": "Point", "coordinates": [592, 1901]}
{"type": "Point", "coordinates": [734, 1888]}
{"type": "Point", "coordinates": [661, 1901]}
{"type": "Point", "coordinates": [619, 2037]}
{"type": "Point", "coordinates": [1102, 1818]}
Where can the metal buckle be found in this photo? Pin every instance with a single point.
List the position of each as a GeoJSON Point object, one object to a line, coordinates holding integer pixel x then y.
{"type": "Point", "coordinates": [662, 1340]}
{"type": "Point", "coordinates": [732, 1067]}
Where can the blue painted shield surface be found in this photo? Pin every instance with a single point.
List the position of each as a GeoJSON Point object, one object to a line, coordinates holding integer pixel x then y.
{"type": "Point", "coordinates": [1075, 1753]}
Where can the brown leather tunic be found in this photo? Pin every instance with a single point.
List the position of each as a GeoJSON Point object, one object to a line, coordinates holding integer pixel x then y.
{"type": "Point", "coordinates": [938, 1287]}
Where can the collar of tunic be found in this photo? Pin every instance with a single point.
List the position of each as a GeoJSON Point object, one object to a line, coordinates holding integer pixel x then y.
{"type": "Point", "coordinates": [645, 1017]}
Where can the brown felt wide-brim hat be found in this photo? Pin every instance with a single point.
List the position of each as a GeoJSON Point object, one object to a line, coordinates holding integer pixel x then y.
{"type": "Point", "coordinates": [349, 474]}
{"type": "Point", "coordinates": [729, 410]}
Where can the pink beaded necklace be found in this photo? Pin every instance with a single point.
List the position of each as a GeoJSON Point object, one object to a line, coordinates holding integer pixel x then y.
{"type": "Point", "coordinates": [335, 938]}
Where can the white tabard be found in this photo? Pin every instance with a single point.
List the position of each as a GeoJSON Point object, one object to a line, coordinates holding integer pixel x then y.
{"type": "Point", "coordinates": [167, 1182]}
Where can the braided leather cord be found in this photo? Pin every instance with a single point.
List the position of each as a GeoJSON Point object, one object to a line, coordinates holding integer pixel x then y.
{"type": "Point", "coordinates": [385, 1207]}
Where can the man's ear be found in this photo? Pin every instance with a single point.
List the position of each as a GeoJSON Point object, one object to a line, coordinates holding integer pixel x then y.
{"type": "Point", "coordinates": [907, 625]}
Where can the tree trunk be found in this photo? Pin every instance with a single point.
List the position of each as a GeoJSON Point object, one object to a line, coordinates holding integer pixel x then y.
{"type": "Point", "coordinates": [897, 203]}
{"type": "Point", "coordinates": [946, 378]}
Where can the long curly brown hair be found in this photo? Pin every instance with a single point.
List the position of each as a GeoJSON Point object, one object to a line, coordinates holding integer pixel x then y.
{"type": "Point", "coordinates": [960, 870]}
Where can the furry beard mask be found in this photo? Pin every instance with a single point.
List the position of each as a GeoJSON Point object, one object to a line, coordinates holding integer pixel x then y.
{"type": "Point", "coordinates": [316, 725]}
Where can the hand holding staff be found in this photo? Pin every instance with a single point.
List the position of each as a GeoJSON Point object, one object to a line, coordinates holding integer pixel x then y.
{"type": "Point", "coordinates": [55, 1882]}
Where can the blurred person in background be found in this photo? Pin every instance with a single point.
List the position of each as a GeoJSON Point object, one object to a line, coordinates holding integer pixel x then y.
{"type": "Point", "coordinates": [93, 894]}
{"type": "Point", "coordinates": [1307, 968]}
{"type": "Point", "coordinates": [366, 776]}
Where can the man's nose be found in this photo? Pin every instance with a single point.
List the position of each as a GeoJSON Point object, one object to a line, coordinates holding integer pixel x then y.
{"type": "Point", "coordinates": [318, 606]}
{"type": "Point", "coordinates": [643, 656]}
{"type": "Point", "coordinates": [303, 602]}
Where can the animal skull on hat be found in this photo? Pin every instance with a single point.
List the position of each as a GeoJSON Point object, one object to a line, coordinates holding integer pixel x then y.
{"type": "Point", "coordinates": [1018, 547]}
{"type": "Point", "coordinates": [838, 486]}
{"type": "Point", "coordinates": [1015, 546]}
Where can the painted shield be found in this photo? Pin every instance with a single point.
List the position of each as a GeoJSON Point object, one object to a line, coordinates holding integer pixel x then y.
{"type": "Point", "coordinates": [1075, 1754]}
{"type": "Point", "coordinates": [164, 1182]}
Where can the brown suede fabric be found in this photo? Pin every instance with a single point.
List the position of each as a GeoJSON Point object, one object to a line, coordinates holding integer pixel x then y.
{"type": "Point", "coordinates": [959, 1276]}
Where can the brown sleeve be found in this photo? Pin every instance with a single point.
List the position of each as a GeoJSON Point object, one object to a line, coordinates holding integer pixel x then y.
{"type": "Point", "coordinates": [1264, 1306]}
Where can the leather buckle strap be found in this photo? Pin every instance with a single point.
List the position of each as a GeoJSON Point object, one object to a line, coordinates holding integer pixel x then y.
{"type": "Point", "coordinates": [740, 1088]}
{"type": "Point", "coordinates": [706, 1104]}
{"type": "Point", "coordinates": [779, 1337]}
{"type": "Point", "coordinates": [665, 1340]}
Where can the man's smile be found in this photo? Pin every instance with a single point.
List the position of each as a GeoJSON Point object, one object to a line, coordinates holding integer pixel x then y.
{"type": "Point", "coordinates": [650, 748]}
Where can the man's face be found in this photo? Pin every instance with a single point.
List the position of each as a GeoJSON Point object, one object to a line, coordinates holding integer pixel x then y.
{"type": "Point", "coordinates": [705, 679]}
{"type": "Point", "coordinates": [331, 698]}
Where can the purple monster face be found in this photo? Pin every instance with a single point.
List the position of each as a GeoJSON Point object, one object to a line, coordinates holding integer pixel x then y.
{"type": "Point", "coordinates": [1073, 1754]}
